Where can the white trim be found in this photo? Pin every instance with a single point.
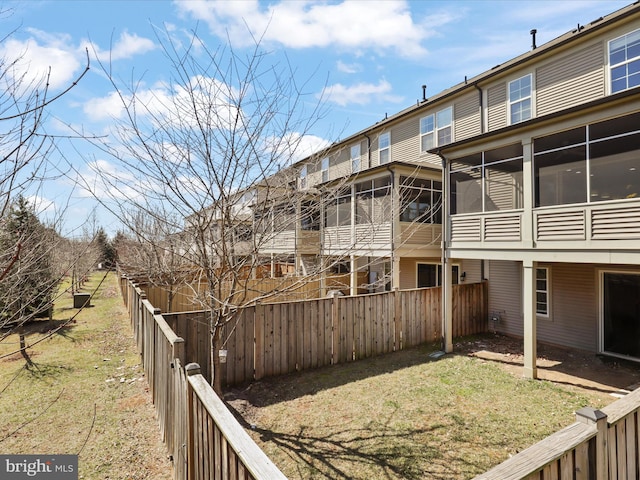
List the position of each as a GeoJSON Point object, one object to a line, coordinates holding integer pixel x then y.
{"type": "Point", "coordinates": [531, 98]}
{"type": "Point", "coordinates": [547, 291]}
{"type": "Point", "coordinates": [601, 349]}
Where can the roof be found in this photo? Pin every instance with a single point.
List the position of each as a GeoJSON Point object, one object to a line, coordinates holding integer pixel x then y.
{"type": "Point", "coordinates": [573, 35]}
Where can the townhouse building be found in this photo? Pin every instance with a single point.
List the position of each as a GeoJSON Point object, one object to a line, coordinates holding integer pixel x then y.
{"type": "Point", "coordinates": [546, 191]}
{"type": "Point", "coordinates": [527, 176]}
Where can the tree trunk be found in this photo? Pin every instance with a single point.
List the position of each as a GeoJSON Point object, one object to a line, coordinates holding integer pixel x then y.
{"type": "Point", "coordinates": [216, 367]}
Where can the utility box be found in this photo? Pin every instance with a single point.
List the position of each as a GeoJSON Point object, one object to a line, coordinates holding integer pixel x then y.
{"type": "Point", "coordinates": [81, 300]}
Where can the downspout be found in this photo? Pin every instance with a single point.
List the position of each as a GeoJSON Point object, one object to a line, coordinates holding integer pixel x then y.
{"type": "Point", "coordinates": [393, 223]}
{"type": "Point", "coordinates": [447, 345]}
{"type": "Point", "coordinates": [482, 130]}
{"type": "Point", "coordinates": [368, 150]}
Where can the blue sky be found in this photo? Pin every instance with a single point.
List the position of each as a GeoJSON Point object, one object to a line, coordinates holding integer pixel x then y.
{"type": "Point", "coordinates": [366, 58]}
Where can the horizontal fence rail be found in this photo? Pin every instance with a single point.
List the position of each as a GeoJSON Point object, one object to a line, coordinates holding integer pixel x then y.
{"type": "Point", "coordinates": [278, 338]}
{"type": "Point", "coordinates": [202, 437]}
{"type": "Point", "coordinates": [600, 445]}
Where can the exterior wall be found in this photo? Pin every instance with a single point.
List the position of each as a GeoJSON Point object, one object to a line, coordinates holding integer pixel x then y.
{"type": "Point", "coordinates": [505, 296]}
{"type": "Point", "coordinates": [573, 319]}
{"type": "Point", "coordinates": [472, 269]}
{"type": "Point", "coordinates": [572, 79]}
{"type": "Point", "coordinates": [409, 270]}
{"type": "Point", "coordinates": [466, 116]}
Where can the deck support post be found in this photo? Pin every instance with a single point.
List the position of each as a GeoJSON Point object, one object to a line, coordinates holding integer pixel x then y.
{"type": "Point", "coordinates": [529, 310]}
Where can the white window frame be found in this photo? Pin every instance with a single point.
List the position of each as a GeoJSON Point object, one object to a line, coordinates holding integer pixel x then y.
{"type": "Point", "coordinates": [625, 62]}
{"type": "Point", "coordinates": [546, 291]}
{"type": "Point", "coordinates": [432, 125]}
{"type": "Point", "coordinates": [324, 166]}
{"type": "Point", "coordinates": [303, 177]}
{"type": "Point", "coordinates": [520, 100]}
{"type": "Point", "coordinates": [355, 157]}
{"type": "Point", "coordinates": [384, 145]}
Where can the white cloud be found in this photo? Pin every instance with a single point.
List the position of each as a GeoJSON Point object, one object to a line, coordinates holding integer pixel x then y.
{"type": "Point", "coordinates": [41, 205]}
{"type": "Point", "coordinates": [348, 25]}
{"type": "Point", "coordinates": [33, 60]}
{"type": "Point", "coordinates": [348, 67]}
{"type": "Point", "coordinates": [127, 46]}
{"type": "Point", "coordinates": [360, 93]}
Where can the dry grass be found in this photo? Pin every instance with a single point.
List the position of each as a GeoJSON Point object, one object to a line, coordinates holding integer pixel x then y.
{"type": "Point", "coordinates": [84, 393]}
{"type": "Point", "coordinates": [403, 416]}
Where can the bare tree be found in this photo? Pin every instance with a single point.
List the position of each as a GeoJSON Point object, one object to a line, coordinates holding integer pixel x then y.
{"type": "Point", "coordinates": [28, 245]}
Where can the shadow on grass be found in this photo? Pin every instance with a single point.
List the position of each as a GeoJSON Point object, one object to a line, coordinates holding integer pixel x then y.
{"type": "Point", "coordinates": [43, 327]}
{"type": "Point", "coordinates": [39, 371]}
{"type": "Point", "coordinates": [391, 453]}
{"type": "Point", "coordinates": [273, 390]}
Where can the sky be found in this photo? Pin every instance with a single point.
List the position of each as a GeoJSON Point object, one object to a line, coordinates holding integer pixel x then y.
{"type": "Point", "coordinates": [364, 59]}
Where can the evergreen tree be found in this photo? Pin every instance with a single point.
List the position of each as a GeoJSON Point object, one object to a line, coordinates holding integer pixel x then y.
{"type": "Point", "coordinates": [27, 278]}
{"type": "Point", "coordinates": [107, 251]}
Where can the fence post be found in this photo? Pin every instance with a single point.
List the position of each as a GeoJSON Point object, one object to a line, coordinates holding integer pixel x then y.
{"type": "Point", "coordinates": [591, 416]}
{"type": "Point", "coordinates": [397, 321]}
{"type": "Point", "coordinates": [191, 369]}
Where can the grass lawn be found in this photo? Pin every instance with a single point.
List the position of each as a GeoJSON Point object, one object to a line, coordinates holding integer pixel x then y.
{"type": "Point", "coordinates": [403, 416]}
{"type": "Point", "coordinates": [85, 392]}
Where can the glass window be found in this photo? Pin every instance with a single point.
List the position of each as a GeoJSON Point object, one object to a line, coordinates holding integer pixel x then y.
{"type": "Point", "coordinates": [520, 99]}
{"type": "Point", "coordinates": [542, 291]}
{"type": "Point", "coordinates": [372, 204]}
{"type": "Point", "coordinates": [594, 163]}
{"type": "Point", "coordinates": [325, 169]}
{"type": "Point", "coordinates": [310, 216]}
{"type": "Point", "coordinates": [344, 210]}
{"type": "Point", "coordinates": [624, 61]}
{"type": "Point", "coordinates": [614, 168]}
{"type": "Point", "coordinates": [303, 177]}
{"type": "Point", "coordinates": [561, 176]}
{"type": "Point", "coordinates": [384, 144]}
{"type": "Point", "coordinates": [488, 181]}
{"type": "Point", "coordinates": [355, 158]}
{"type": "Point", "coordinates": [420, 200]}
{"type": "Point", "coordinates": [435, 130]}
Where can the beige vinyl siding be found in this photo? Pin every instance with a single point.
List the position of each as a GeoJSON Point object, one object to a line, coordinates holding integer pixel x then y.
{"type": "Point", "coordinates": [497, 106]}
{"type": "Point", "coordinates": [505, 296]}
{"type": "Point", "coordinates": [408, 273]}
{"type": "Point", "coordinates": [466, 111]}
{"type": "Point", "coordinates": [472, 268]}
{"type": "Point", "coordinates": [571, 80]}
{"type": "Point", "coordinates": [573, 320]}
{"type": "Point", "coordinates": [340, 164]}
{"type": "Point", "coordinates": [405, 140]}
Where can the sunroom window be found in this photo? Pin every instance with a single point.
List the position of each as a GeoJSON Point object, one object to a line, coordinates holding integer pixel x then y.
{"type": "Point", "coordinates": [487, 181]}
{"type": "Point", "coordinates": [594, 163]}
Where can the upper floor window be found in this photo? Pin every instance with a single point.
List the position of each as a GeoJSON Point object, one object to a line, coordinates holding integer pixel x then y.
{"type": "Point", "coordinates": [324, 165]}
{"type": "Point", "coordinates": [355, 158]}
{"type": "Point", "coordinates": [435, 129]}
{"type": "Point", "coordinates": [624, 61]}
{"type": "Point", "coordinates": [520, 99]}
{"type": "Point", "coordinates": [303, 177]}
{"type": "Point", "coordinates": [384, 144]}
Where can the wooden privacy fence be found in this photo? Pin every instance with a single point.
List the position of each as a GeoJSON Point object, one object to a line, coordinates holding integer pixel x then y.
{"type": "Point", "coordinates": [202, 437]}
{"type": "Point", "coordinates": [600, 445]}
{"type": "Point", "coordinates": [279, 338]}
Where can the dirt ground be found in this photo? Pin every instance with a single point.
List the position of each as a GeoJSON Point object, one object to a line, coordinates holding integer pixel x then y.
{"type": "Point", "coordinates": [579, 369]}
